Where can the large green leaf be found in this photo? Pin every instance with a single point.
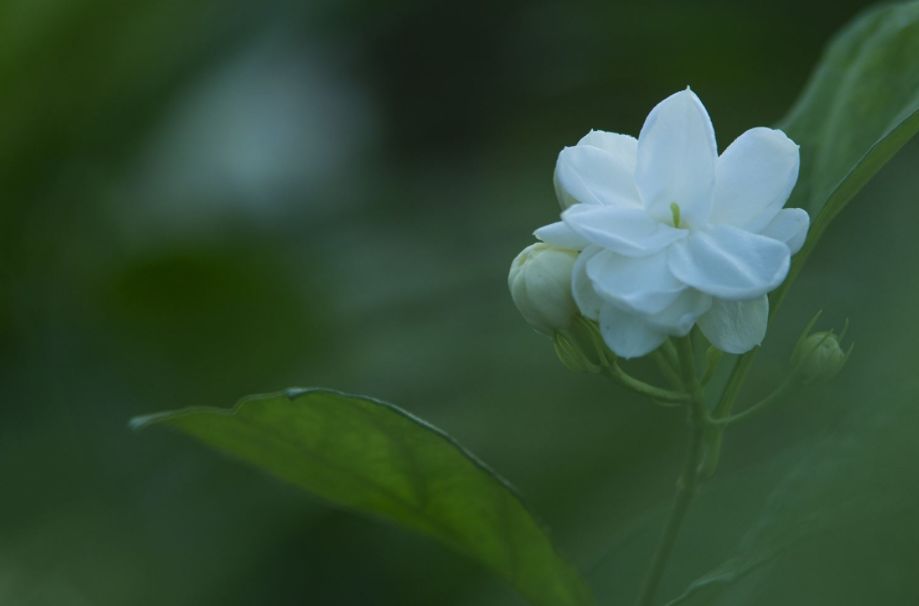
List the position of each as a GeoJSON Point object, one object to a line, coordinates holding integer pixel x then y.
{"type": "Point", "coordinates": [372, 457]}
{"type": "Point", "coordinates": [860, 107]}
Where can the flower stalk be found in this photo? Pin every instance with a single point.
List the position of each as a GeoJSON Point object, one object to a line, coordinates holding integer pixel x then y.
{"type": "Point", "coordinates": [613, 370]}
{"type": "Point", "coordinates": [689, 479]}
{"type": "Point", "coordinates": [658, 394]}
{"type": "Point", "coordinates": [775, 396]}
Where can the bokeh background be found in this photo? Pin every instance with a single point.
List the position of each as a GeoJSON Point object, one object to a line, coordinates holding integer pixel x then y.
{"type": "Point", "coordinates": [201, 200]}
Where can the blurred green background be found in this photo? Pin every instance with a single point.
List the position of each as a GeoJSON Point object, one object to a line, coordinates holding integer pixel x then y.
{"type": "Point", "coordinates": [202, 200]}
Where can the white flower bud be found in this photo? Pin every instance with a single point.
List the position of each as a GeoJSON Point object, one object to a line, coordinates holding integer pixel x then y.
{"type": "Point", "coordinates": [540, 284]}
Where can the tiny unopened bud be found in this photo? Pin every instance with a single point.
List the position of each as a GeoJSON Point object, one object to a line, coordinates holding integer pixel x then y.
{"type": "Point", "coordinates": [540, 285]}
{"type": "Point", "coordinates": [576, 347]}
{"type": "Point", "coordinates": [570, 354]}
{"type": "Point", "coordinates": [819, 357]}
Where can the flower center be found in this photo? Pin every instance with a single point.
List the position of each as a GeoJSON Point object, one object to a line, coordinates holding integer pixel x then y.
{"type": "Point", "coordinates": [675, 213]}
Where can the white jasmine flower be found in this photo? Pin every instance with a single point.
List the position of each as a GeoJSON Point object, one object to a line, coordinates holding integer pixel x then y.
{"type": "Point", "coordinates": [671, 234]}
{"type": "Point", "coordinates": [540, 285]}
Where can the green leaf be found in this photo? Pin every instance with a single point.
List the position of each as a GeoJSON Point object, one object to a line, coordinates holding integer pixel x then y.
{"type": "Point", "coordinates": [372, 457]}
{"type": "Point", "coordinates": [859, 108]}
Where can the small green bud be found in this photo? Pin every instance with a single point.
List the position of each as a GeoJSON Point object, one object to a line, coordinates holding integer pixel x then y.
{"type": "Point", "coordinates": [818, 357]}
{"type": "Point", "coordinates": [576, 347]}
{"type": "Point", "coordinates": [570, 355]}
{"type": "Point", "coordinates": [540, 285]}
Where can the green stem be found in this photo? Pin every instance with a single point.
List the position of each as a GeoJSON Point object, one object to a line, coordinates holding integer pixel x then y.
{"type": "Point", "coordinates": [691, 382]}
{"type": "Point", "coordinates": [712, 357]}
{"type": "Point", "coordinates": [745, 362]}
{"type": "Point", "coordinates": [667, 369]}
{"type": "Point", "coordinates": [732, 390]}
{"type": "Point", "coordinates": [670, 351]}
{"type": "Point", "coordinates": [779, 392]}
{"type": "Point", "coordinates": [610, 363]}
{"type": "Point", "coordinates": [735, 382]}
{"type": "Point", "coordinates": [686, 486]}
{"type": "Point", "coordinates": [646, 389]}
{"type": "Point", "coordinates": [730, 393]}
{"type": "Point", "coordinates": [715, 438]}
{"type": "Point", "coordinates": [713, 441]}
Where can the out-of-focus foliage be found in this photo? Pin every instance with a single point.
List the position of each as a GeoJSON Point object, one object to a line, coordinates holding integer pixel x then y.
{"type": "Point", "coordinates": [203, 199]}
{"type": "Point", "coordinates": [860, 108]}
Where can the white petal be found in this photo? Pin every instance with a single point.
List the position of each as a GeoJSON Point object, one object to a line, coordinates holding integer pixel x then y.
{"type": "Point", "coordinates": [559, 234]}
{"type": "Point", "coordinates": [628, 335]}
{"type": "Point", "coordinates": [676, 159]}
{"type": "Point", "coordinates": [789, 226]}
{"type": "Point", "coordinates": [564, 198]}
{"type": "Point", "coordinates": [586, 298]}
{"type": "Point", "coordinates": [729, 263]}
{"type": "Point", "coordinates": [754, 178]}
{"type": "Point", "coordinates": [623, 148]}
{"type": "Point", "coordinates": [736, 326]}
{"type": "Point", "coordinates": [641, 284]}
{"type": "Point", "coordinates": [591, 175]}
{"type": "Point", "coordinates": [681, 315]}
{"type": "Point", "coordinates": [627, 231]}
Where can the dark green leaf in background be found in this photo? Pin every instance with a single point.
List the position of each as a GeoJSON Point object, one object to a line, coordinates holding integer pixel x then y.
{"type": "Point", "coordinates": [860, 107]}
{"type": "Point", "coordinates": [374, 458]}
